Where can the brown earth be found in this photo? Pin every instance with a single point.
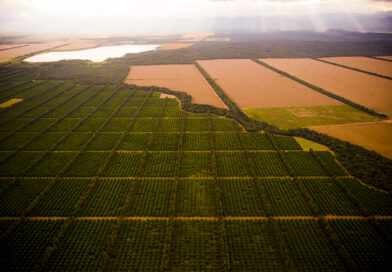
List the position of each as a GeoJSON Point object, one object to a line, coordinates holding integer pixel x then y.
{"type": "Point", "coordinates": [9, 54]}
{"type": "Point", "coordinates": [77, 45]}
{"type": "Point", "coordinates": [9, 46]}
{"type": "Point", "coordinates": [181, 77]}
{"type": "Point", "coordinates": [173, 46]}
{"type": "Point", "coordinates": [386, 57]}
{"type": "Point", "coordinates": [251, 85]}
{"type": "Point", "coordinates": [372, 136]}
{"type": "Point", "coordinates": [367, 64]}
{"type": "Point", "coordinates": [367, 90]}
{"type": "Point", "coordinates": [195, 37]}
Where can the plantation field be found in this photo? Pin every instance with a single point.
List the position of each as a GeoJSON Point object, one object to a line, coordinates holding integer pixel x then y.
{"type": "Point", "coordinates": [370, 91]}
{"type": "Point", "coordinates": [180, 77]}
{"type": "Point", "coordinates": [373, 136]}
{"type": "Point", "coordinates": [296, 117]}
{"type": "Point", "coordinates": [101, 177]}
{"type": "Point", "coordinates": [251, 85]}
{"type": "Point", "coordinates": [363, 63]}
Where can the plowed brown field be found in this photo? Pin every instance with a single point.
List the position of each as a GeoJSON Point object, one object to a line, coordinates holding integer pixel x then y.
{"type": "Point", "coordinates": [386, 57]}
{"type": "Point", "coordinates": [367, 64]}
{"type": "Point", "coordinates": [372, 136]}
{"type": "Point", "coordinates": [182, 77]}
{"type": "Point", "coordinates": [251, 85]}
{"type": "Point", "coordinates": [77, 45]}
{"type": "Point", "coordinates": [367, 90]}
{"type": "Point", "coordinates": [6, 55]}
{"type": "Point", "coordinates": [173, 46]}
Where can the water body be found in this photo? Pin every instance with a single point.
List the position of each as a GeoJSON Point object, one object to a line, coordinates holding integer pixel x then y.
{"type": "Point", "coordinates": [95, 54]}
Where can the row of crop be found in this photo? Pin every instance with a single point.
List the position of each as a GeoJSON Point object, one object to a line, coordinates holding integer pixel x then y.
{"type": "Point", "coordinates": [27, 90]}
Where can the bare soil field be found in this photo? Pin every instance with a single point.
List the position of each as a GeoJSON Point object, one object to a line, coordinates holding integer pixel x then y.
{"type": "Point", "coordinates": [386, 57]}
{"type": "Point", "coordinates": [251, 85]}
{"type": "Point", "coordinates": [77, 45]}
{"type": "Point", "coordinates": [182, 77]}
{"type": "Point", "coordinates": [6, 55]}
{"type": "Point", "coordinates": [372, 136]}
{"type": "Point", "coordinates": [9, 46]}
{"type": "Point", "coordinates": [173, 46]}
{"type": "Point", "coordinates": [367, 90]}
{"type": "Point", "coordinates": [367, 64]}
{"type": "Point", "coordinates": [195, 37]}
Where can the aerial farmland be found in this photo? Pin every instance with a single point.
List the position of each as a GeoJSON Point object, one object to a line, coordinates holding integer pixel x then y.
{"type": "Point", "coordinates": [215, 143]}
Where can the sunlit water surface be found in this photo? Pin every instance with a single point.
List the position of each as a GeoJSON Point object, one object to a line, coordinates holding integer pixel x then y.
{"type": "Point", "coordinates": [95, 54]}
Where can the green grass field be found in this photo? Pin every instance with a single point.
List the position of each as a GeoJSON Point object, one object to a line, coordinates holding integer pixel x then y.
{"type": "Point", "coordinates": [297, 117]}
{"type": "Point", "coordinates": [98, 178]}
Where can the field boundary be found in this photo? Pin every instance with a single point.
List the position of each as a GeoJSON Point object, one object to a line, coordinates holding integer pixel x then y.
{"type": "Point", "coordinates": [353, 68]}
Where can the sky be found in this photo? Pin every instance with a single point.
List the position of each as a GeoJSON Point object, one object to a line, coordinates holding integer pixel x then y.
{"type": "Point", "coordinates": [136, 16]}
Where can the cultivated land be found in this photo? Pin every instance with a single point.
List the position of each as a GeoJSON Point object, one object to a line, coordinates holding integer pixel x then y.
{"type": "Point", "coordinates": [181, 77]}
{"type": "Point", "coordinates": [9, 54]}
{"type": "Point", "coordinates": [251, 85]}
{"type": "Point", "coordinates": [297, 117]}
{"type": "Point", "coordinates": [77, 45]}
{"type": "Point", "coordinates": [386, 57]}
{"type": "Point", "coordinates": [99, 177]}
{"type": "Point", "coordinates": [367, 90]}
{"type": "Point", "coordinates": [363, 63]}
{"type": "Point", "coordinates": [372, 136]}
{"type": "Point", "coordinates": [173, 46]}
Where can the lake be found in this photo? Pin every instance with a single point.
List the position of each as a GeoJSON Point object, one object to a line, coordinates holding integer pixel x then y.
{"type": "Point", "coordinates": [95, 54]}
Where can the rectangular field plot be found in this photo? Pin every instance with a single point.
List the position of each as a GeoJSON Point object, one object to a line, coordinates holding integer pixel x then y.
{"type": "Point", "coordinates": [239, 198]}
{"type": "Point", "coordinates": [107, 197]}
{"type": "Point", "coordinates": [226, 141]}
{"type": "Point", "coordinates": [195, 197]}
{"type": "Point", "coordinates": [329, 160]}
{"type": "Point", "coordinates": [104, 141]}
{"type": "Point", "coordinates": [329, 198]}
{"type": "Point", "coordinates": [367, 90]}
{"type": "Point", "coordinates": [369, 250]}
{"type": "Point", "coordinates": [81, 112]}
{"type": "Point", "coordinates": [17, 163]}
{"type": "Point", "coordinates": [195, 164]}
{"type": "Point", "coordinates": [16, 199]}
{"type": "Point", "coordinates": [232, 164]}
{"type": "Point", "coordinates": [74, 141]}
{"type": "Point", "coordinates": [103, 112]}
{"type": "Point", "coordinates": [82, 246]}
{"type": "Point", "coordinates": [139, 246]}
{"type": "Point", "coordinates": [286, 142]}
{"type": "Point", "coordinates": [15, 124]}
{"type": "Point", "coordinates": [260, 87]}
{"type": "Point", "coordinates": [16, 140]}
{"type": "Point", "coordinates": [61, 199]}
{"type": "Point", "coordinates": [40, 125]}
{"type": "Point", "coordinates": [123, 165]}
{"type": "Point", "coordinates": [51, 164]}
{"type": "Point", "coordinates": [196, 124]}
{"type": "Point", "coordinates": [169, 125]}
{"type": "Point", "coordinates": [267, 164]}
{"type": "Point", "coordinates": [256, 141]}
{"type": "Point", "coordinates": [24, 248]}
{"type": "Point", "coordinates": [284, 198]}
{"type": "Point", "coordinates": [177, 77]}
{"type": "Point", "coordinates": [126, 112]}
{"type": "Point", "coordinates": [304, 164]}
{"type": "Point", "coordinates": [90, 125]}
{"type": "Point", "coordinates": [363, 63]}
{"type": "Point", "coordinates": [44, 141]}
{"type": "Point", "coordinates": [135, 141]}
{"type": "Point", "coordinates": [195, 246]}
{"type": "Point", "coordinates": [310, 249]}
{"type": "Point", "coordinates": [144, 125]}
{"type": "Point", "coordinates": [160, 164]}
{"type": "Point", "coordinates": [172, 112]}
{"type": "Point", "coordinates": [86, 165]}
{"type": "Point", "coordinates": [151, 198]}
{"type": "Point", "coordinates": [378, 203]}
{"type": "Point", "coordinates": [251, 246]}
{"type": "Point", "coordinates": [165, 141]}
{"type": "Point", "coordinates": [196, 141]}
{"type": "Point", "coordinates": [150, 112]}
{"type": "Point", "coordinates": [223, 124]}
{"type": "Point", "coordinates": [64, 125]}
